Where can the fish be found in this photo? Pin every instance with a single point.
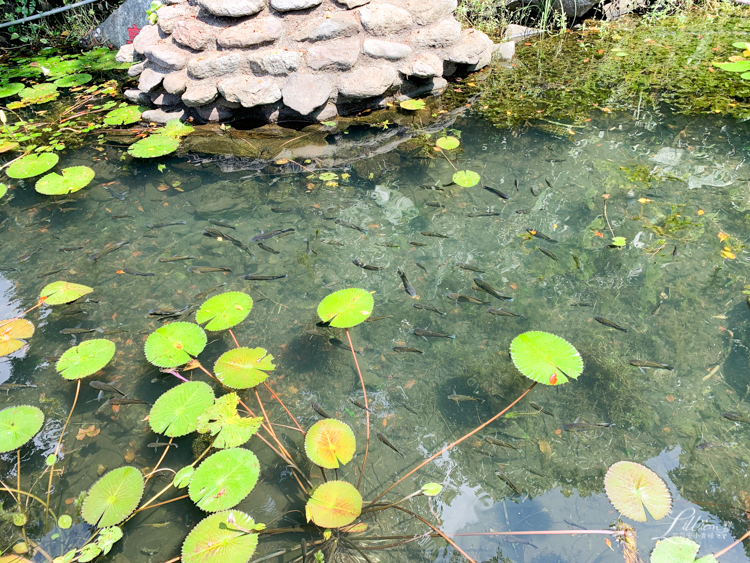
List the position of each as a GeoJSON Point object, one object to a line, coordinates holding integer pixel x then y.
{"type": "Point", "coordinates": [515, 183]}
{"type": "Point", "coordinates": [158, 312]}
{"type": "Point", "coordinates": [434, 204]}
{"type": "Point", "coordinates": [113, 331]}
{"type": "Point", "coordinates": [508, 482]}
{"type": "Point", "coordinates": [8, 269]}
{"type": "Point", "coordinates": [417, 243]}
{"type": "Point", "coordinates": [408, 288]}
{"type": "Point", "coordinates": [134, 273]}
{"type": "Point", "coordinates": [430, 187]}
{"type": "Point", "coordinates": [102, 253]}
{"type": "Point", "coordinates": [650, 364]}
{"type": "Point", "coordinates": [209, 291]}
{"type": "Point", "coordinates": [124, 216]}
{"type": "Point", "coordinates": [658, 306]}
{"type": "Point", "coordinates": [584, 426]}
{"type": "Point", "coordinates": [45, 274]}
{"type": "Point", "coordinates": [176, 258]}
{"type": "Point", "coordinates": [408, 408]}
{"type": "Point", "coordinates": [332, 242]}
{"type": "Point", "coordinates": [77, 330]}
{"type": "Point", "coordinates": [610, 324]}
{"type": "Point", "coordinates": [581, 304]}
{"type": "Point", "coordinates": [495, 442]}
{"type": "Point", "coordinates": [34, 223]}
{"type": "Point", "coordinates": [361, 264]}
{"type": "Point", "coordinates": [373, 319]}
{"type": "Point", "coordinates": [425, 333]}
{"type": "Point", "coordinates": [115, 194]}
{"type": "Point", "coordinates": [487, 288]}
{"type": "Point", "coordinates": [150, 235]}
{"type": "Point", "coordinates": [268, 248]}
{"type": "Point", "coordinates": [548, 182]}
{"type": "Point", "coordinates": [387, 244]}
{"type": "Point", "coordinates": [433, 234]}
{"type": "Point", "coordinates": [218, 223]}
{"type": "Point", "coordinates": [735, 417]}
{"type": "Point", "coordinates": [540, 408]}
{"type": "Point", "coordinates": [503, 313]}
{"type": "Point", "coordinates": [701, 446]}
{"type": "Point", "coordinates": [425, 307]}
{"type": "Point", "coordinates": [537, 234]}
{"type": "Point", "coordinates": [318, 409]}
{"type": "Point", "coordinates": [160, 445]}
{"type": "Point", "coordinates": [69, 248]}
{"type": "Point", "coordinates": [523, 211]}
{"type": "Point", "coordinates": [349, 225]}
{"type": "Point", "coordinates": [469, 267]}
{"type": "Point", "coordinates": [421, 267]}
{"type": "Point", "coordinates": [464, 398]}
{"type": "Point", "coordinates": [484, 214]}
{"type": "Point", "coordinates": [271, 234]}
{"type": "Point", "coordinates": [385, 440]}
{"type": "Point", "coordinates": [101, 386]}
{"type": "Point", "coordinates": [127, 401]}
{"type": "Point", "coordinates": [498, 193]}
{"type": "Point", "coordinates": [207, 269]}
{"type": "Point", "coordinates": [9, 386]}
{"type": "Point", "coordinates": [548, 253]}
{"type": "Point", "coordinates": [407, 349]}
{"type": "Point", "coordinates": [534, 191]}
{"type": "Point", "coordinates": [282, 209]}
{"type": "Point", "coordinates": [339, 344]}
{"type": "Point", "coordinates": [358, 404]}
{"type": "Point", "coordinates": [466, 299]}
{"type": "Point", "coordinates": [165, 224]}
{"type": "Point", "coordinates": [26, 255]}
{"type": "Point", "coordinates": [215, 233]}
{"type": "Point", "coordinates": [255, 277]}
{"type": "Point", "coordinates": [240, 245]}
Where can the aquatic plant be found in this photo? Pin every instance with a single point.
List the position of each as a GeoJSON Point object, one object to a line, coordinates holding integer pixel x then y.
{"type": "Point", "coordinates": [85, 359]}
{"type": "Point", "coordinates": [632, 488]}
{"type": "Point", "coordinates": [173, 345]}
{"type": "Point", "coordinates": [18, 425]}
{"type": "Point", "coordinates": [346, 308]}
{"type": "Point", "coordinates": [114, 497]}
{"type": "Point", "coordinates": [12, 335]}
{"type": "Point", "coordinates": [466, 178]}
{"type": "Point", "coordinates": [545, 358]}
{"type": "Point", "coordinates": [447, 143]}
{"type": "Point", "coordinates": [412, 105]}
{"type": "Point", "coordinates": [72, 179]}
{"type": "Point", "coordinates": [32, 165]}
{"type": "Point", "coordinates": [166, 141]}
{"type": "Point", "coordinates": [176, 412]}
{"type": "Point", "coordinates": [737, 63]}
{"type": "Point", "coordinates": [330, 443]}
{"type": "Point", "coordinates": [678, 550]}
{"type": "Point", "coordinates": [334, 504]}
{"type": "Point", "coordinates": [61, 292]}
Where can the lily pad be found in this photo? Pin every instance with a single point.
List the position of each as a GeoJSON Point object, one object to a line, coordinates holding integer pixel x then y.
{"type": "Point", "coordinates": [12, 334]}
{"type": "Point", "coordinates": [32, 165]}
{"type": "Point", "coordinates": [72, 180]}
{"type": "Point", "coordinates": [11, 89]}
{"type": "Point", "coordinates": [328, 176]}
{"type": "Point", "coordinates": [334, 504]}
{"type": "Point", "coordinates": [61, 292]}
{"type": "Point", "coordinates": [224, 479]}
{"type": "Point", "coordinates": [183, 476]}
{"type": "Point", "coordinates": [448, 143]}
{"type": "Point", "coordinates": [18, 425]}
{"type": "Point", "coordinates": [330, 443]}
{"type": "Point", "coordinates": [85, 359]}
{"type": "Point", "coordinates": [176, 128]}
{"type": "Point", "coordinates": [412, 105]}
{"type": "Point", "coordinates": [243, 368]}
{"type": "Point", "coordinates": [632, 486]}
{"type": "Point", "coordinates": [124, 115]}
{"type": "Point", "coordinates": [173, 345]}
{"type": "Point", "coordinates": [3, 190]}
{"type": "Point", "coordinates": [107, 538]}
{"type": "Point", "coordinates": [73, 80]}
{"type": "Point", "coordinates": [38, 93]}
{"type": "Point", "coordinates": [222, 538]}
{"type": "Point", "coordinates": [466, 178]}
{"type": "Point", "coordinates": [675, 550]}
{"type": "Point", "coordinates": [176, 412]}
{"type": "Point", "coordinates": [223, 421]}
{"type": "Point", "coordinates": [113, 497]}
{"type": "Point", "coordinates": [346, 308]}
{"type": "Point", "coordinates": [545, 357]}
{"type": "Point", "coordinates": [154, 146]}
{"type": "Point", "coordinates": [225, 310]}
{"type": "Point", "coordinates": [6, 146]}
{"type": "Point", "coordinates": [741, 66]}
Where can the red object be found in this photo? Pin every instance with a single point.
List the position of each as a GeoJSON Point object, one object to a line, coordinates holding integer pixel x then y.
{"type": "Point", "coordinates": [553, 379]}
{"type": "Point", "coordinates": [133, 33]}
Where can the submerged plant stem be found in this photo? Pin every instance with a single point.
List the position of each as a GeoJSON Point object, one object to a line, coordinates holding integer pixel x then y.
{"type": "Point", "coordinates": [275, 396]}
{"type": "Point", "coordinates": [158, 463]}
{"type": "Point", "coordinates": [733, 544]}
{"type": "Point", "coordinates": [367, 409]}
{"type": "Point", "coordinates": [161, 503]}
{"type": "Point", "coordinates": [29, 495]}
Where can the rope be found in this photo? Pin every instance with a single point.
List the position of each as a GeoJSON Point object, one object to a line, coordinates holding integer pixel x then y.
{"type": "Point", "coordinates": [45, 14]}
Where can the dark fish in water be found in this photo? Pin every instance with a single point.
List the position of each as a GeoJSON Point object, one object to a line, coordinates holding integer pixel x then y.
{"type": "Point", "coordinates": [282, 209]}
{"type": "Point", "coordinates": [515, 183]}
{"type": "Point", "coordinates": [165, 224]}
{"type": "Point", "coordinates": [610, 324]}
{"type": "Point", "coordinates": [69, 248]}
{"type": "Point", "coordinates": [508, 482]}
{"type": "Point", "coordinates": [735, 417]}
{"type": "Point", "coordinates": [584, 426]}
{"type": "Point", "coordinates": [134, 273]}
{"type": "Point", "coordinates": [540, 408]}
{"type": "Point", "coordinates": [124, 216]}
{"type": "Point", "coordinates": [26, 255]}
{"type": "Point", "coordinates": [421, 266]}
{"type": "Point", "coordinates": [318, 409]}
{"type": "Point", "coordinates": [339, 344]}
{"type": "Point", "coordinates": [577, 261]}
{"type": "Point", "coordinates": [160, 445]}
{"type": "Point", "coordinates": [385, 440]}
{"type": "Point", "coordinates": [523, 211]}
{"type": "Point", "coordinates": [503, 313]}
{"type": "Point", "coordinates": [8, 269]}
{"type": "Point", "coordinates": [548, 182]}
{"type": "Point", "coordinates": [240, 245]}
{"type": "Point", "coordinates": [215, 233]}
{"type": "Point", "coordinates": [332, 242]}
{"type": "Point", "coordinates": [580, 304]}
{"type": "Point", "coordinates": [177, 258]}
{"type": "Point", "coordinates": [34, 223]}
{"type": "Point", "coordinates": [408, 288]}
{"type": "Point", "coordinates": [361, 264]}
{"type": "Point", "coordinates": [271, 234]}
{"type": "Point", "coordinates": [358, 404]}
{"type": "Point", "coordinates": [101, 386]}
{"type": "Point", "coordinates": [127, 401]}
{"type": "Point", "coordinates": [115, 194]}
{"type": "Point", "coordinates": [350, 225]}
{"type": "Point", "coordinates": [373, 319]}
{"type": "Point", "coordinates": [495, 442]}
{"type": "Point", "coordinates": [77, 330]}
{"type": "Point", "coordinates": [113, 331]}
{"type": "Point", "coordinates": [463, 398]}
{"type": "Point", "coordinates": [417, 244]}
{"type": "Point", "coordinates": [537, 234]}
{"type": "Point", "coordinates": [433, 234]}
{"type": "Point", "coordinates": [424, 307]}
{"type": "Point", "coordinates": [487, 288]}
{"type": "Point", "coordinates": [387, 244]}
{"type": "Point", "coordinates": [425, 333]}
{"type": "Point", "coordinates": [534, 191]}
{"type": "Point", "coordinates": [407, 349]}
{"type": "Point", "coordinates": [433, 204]}
{"type": "Point", "coordinates": [102, 253]}
{"type": "Point", "coordinates": [553, 160]}
{"type": "Point", "coordinates": [207, 269]}
{"type": "Point", "coordinates": [701, 446]}
{"type": "Point", "coordinates": [150, 235]}
{"type": "Point", "coordinates": [208, 291]}
{"type": "Point", "coordinates": [469, 267]}
{"type": "Point", "coordinates": [650, 364]}
{"type": "Point", "coordinates": [254, 277]}
{"type": "Point", "coordinates": [484, 214]}
{"type": "Point", "coordinates": [658, 306]}
{"type": "Point", "coordinates": [221, 224]}
{"type": "Point", "coordinates": [166, 312]}
{"type": "Point", "coordinates": [8, 386]}
{"type": "Point", "coordinates": [429, 187]}
{"type": "Point", "coordinates": [548, 253]}
{"type": "Point", "coordinates": [44, 275]}
{"type": "Point", "coordinates": [268, 248]}
{"type": "Point", "coordinates": [466, 299]}
{"type": "Point", "coordinates": [72, 311]}
{"type": "Point", "coordinates": [408, 408]}
{"type": "Point", "coordinates": [498, 193]}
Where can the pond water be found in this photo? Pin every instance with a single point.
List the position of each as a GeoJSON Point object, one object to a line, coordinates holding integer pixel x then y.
{"type": "Point", "coordinates": [678, 191]}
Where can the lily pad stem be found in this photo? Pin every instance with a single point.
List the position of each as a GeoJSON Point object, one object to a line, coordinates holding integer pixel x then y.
{"type": "Point", "coordinates": [733, 544]}
{"type": "Point", "coordinates": [367, 408]}
{"type": "Point", "coordinates": [158, 463]}
{"type": "Point", "coordinates": [275, 396]}
{"type": "Point", "coordinates": [36, 498]}
{"type": "Point", "coordinates": [448, 159]}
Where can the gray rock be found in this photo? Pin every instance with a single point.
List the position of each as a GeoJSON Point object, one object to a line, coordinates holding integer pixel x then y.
{"type": "Point", "coordinates": [175, 82]}
{"type": "Point", "coordinates": [127, 54]}
{"type": "Point", "coordinates": [214, 64]}
{"type": "Point", "coordinates": [483, 61]}
{"type": "Point", "coordinates": [165, 99]}
{"type": "Point", "coordinates": [194, 34]}
{"type": "Point", "coordinates": [472, 47]}
{"type": "Point", "coordinates": [161, 116]}
{"type": "Point", "coordinates": [336, 27]}
{"type": "Point", "coordinates": [148, 36]}
{"type": "Point", "coordinates": [415, 89]}
{"type": "Point", "coordinates": [166, 56]}
{"type": "Point", "coordinates": [443, 34]}
{"type": "Point", "coordinates": [136, 69]}
{"type": "Point", "coordinates": [233, 8]}
{"type": "Point", "coordinates": [250, 33]}
{"type": "Point", "coordinates": [367, 82]}
{"type": "Point", "coordinates": [385, 19]}
{"type": "Point", "coordinates": [276, 63]}
{"type": "Point", "coordinates": [426, 13]}
{"type": "Point", "coordinates": [305, 93]}
{"type": "Point", "coordinates": [518, 33]}
{"type": "Point", "coordinates": [336, 55]}
{"type": "Point", "coordinates": [136, 96]}
{"type": "Point", "coordinates": [150, 79]}
{"type": "Point", "coordinates": [291, 5]}
{"type": "Point", "coordinates": [117, 27]}
{"type": "Point", "coordinates": [353, 3]}
{"type": "Point", "coordinates": [214, 112]}
{"type": "Point", "coordinates": [385, 49]}
{"type": "Point", "coordinates": [327, 113]}
{"type": "Point", "coordinates": [200, 92]}
{"type": "Point", "coordinates": [424, 65]}
{"type": "Point", "coordinates": [505, 51]}
{"type": "Point", "coordinates": [250, 91]}
{"type": "Point", "coordinates": [168, 16]}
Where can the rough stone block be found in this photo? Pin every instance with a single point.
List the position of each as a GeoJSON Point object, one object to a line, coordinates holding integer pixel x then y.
{"type": "Point", "coordinates": [165, 99]}
{"type": "Point", "coordinates": [166, 56]}
{"type": "Point", "coordinates": [335, 27]}
{"type": "Point", "coordinates": [470, 49]}
{"type": "Point", "coordinates": [337, 55]}
{"type": "Point", "coordinates": [424, 65]}
{"type": "Point", "coordinates": [443, 34]}
{"type": "Point", "coordinates": [215, 64]}
{"type": "Point", "coordinates": [200, 92]}
{"type": "Point", "coordinates": [214, 112]}
{"type": "Point", "coordinates": [168, 16]}
{"type": "Point", "coordinates": [385, 19]}
{"type": "Point", "coordinates": [176, 82]}
{"type": "Point", "coordinates": [378, 49]}
{"type": "Point", "coordinates": [367, 82]}
{"type": "Point", "coordinates": [518, 33]}
{"type": "Point", "coordinates": [351, 4]}
{"type": "Point", "coordinates": [291, 5]}
{"type": "Point", "coordinates": [161, 116]}
{"type": "Point", "coordinates": [136, 69]}
{"type": "Point", "coordinates": [505, 51]}
{"type": "Point", "coordinates": [233, 8]}
{"type": "Point", "coordinates": [250, 91]}
{"type": "Point", "coordinates": [250, 33]}
{"type": "Point", "coordinates": [151, 78]}
{"type": "Point", "coordinates": [136, 96]}
{"type": "Point", "coordinates": [116, 28]}
{"type": "Point", "coordinates": [148, 36]}
{"type": "Point", "coordinates": [194, 34]}
{"type": "Point", "coordinates": [430, 11]}
{"type": "Point", "coordinates": [276, 63]}
{"type": "Point", "coordinates": [305, 93]}
{"type": "Point", "coordinates": [127, 54]}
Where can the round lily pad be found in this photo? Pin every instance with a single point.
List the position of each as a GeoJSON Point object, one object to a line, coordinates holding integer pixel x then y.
{"type": "Point", "coordinates": [466, 178]}
{"type": "Point", "coordinates": [222, 538]}
{"type": "Point", "coordinates": [154, 146]}
{"type": "Point", "coordinates": [176, 412]}
{"type": "Point", "coordinates": [61, 292]}
{"type": "Point", "coordinates": [183, 476]}
{"type": "Point", "coordinates": [85, 359]}
{"type": "Point", "coordinates": [224, 479]}
{"type": "Point", "coordinates": [32, 165]}
{"type": "Point", "coordinates": [224, 310]}
{"type": "Point", "coordinates": [330, 443]}
{"type": "Point", "coordinates": [71, 180]}
{"type": "Point", "coordinates": [38, 91]}
{"type": "Point", "coordinates": [346, 308]}
{"type": "Point", "coordinates": [545, 357]}
{"type": "Point", "coordinates": [741, 66]}
{"type": "Point", "coordinates": [224, 422]}
{"type": "Point", "coordinates": [3, 190]}
{"type": "Point", "coordinates": [328, 176]}
{"type": "Point", "coordinates": [243, 368]}
{"type": "Point", "coordinates": [6, 146]}
{"type": "Point", "coordinates": [173, 345]}
{"type": "Point", "coordinates": [412, 105]}
{"type": "Point", "coordinates": [124, 115]}
{"type": "Point", "coordinates": [73, 80]}
{"type": "Point", "coordinates": [334, 504]}
{"type": "Point", "coordinates": [113, 497]}
{"type": "Point", "coordinates": [64, 522]}
{"type": "Point", "coordinates": [675, 550]}
{"type": "Point", "coordinates": [176, 128]}
{"type": "Point", "coordinates": [18, 425]}
{"type": "Point", "coordinates": [448, 143]}
{"type": "Point", "coordinates": [632, 486]}
{"type": "Point", "coordinates": [12, 334]}
{"type": "Point", "coordinates": [11, 89]}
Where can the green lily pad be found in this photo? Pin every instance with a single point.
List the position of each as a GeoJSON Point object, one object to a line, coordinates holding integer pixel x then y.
{"type": "Point", "coordinates": [3, 190]}
{"type": "Point", "coordinates": [675, 550]}
{"type": "Point", "coordinates": [328, 176]}
{"type": "Point", "coordinates": [745, 76]}
{"type": "Point", "coordinates": [85, 359]}
{"type": "Point", "coordinates": [173, 345]}
{"type": "Point", "coordinates": [222, 538]}
{"type": "Point", "coordinates": [61, 67]}
{"type": "Point", "coordinates": [12, 334]}
{"type": "Point", "coordinates": [124, 115]}
{"type": "Point", "coordinates": [113, 498]}
{"type": "Point", "coordinates": [176, 412]}
{"type": "Point", "coordinates": [183, 476]}
{"type": "Point", "coordinates": [466, 178]}
{"type": "Point", "coordinates": [176, 128]}
{"type": "Point", "coordinates": [6, 146]}
{"type": "Point", "coordinates": [330, 443]}
{"type": "Point", "coordinates": [154, 146]}
{"type": "Point", "coordinates": [431, 489]}
{"type": "Point", "coordinates": [448, 143]}
{"type": "Point", "coordinates": [545, 357]}
{"type": "Point", "coordinates": [619, 241]}
{"type": "Point", "coordinates": [72, 180]}
{"type": "Point", "coordinates": [11, 89]}
{"type": "Point", "coordinates": [61, 292]}
{"type": "Point", "coordinates": [243, 368]}
{"type": "Point", "coordinates": [64, 522]}
{"type": "Point", "coordinates": [742, 45]}
{"type": "Point", "coordinates": [346, 308]}
{"type": "Point", "coordinates": [89, 553]}
{"type": "Point", "coordinates": [224, 479]}
{"type": "Point", "coordinates": [334, 504]}
{"type": "Point", "coordinates": [631, 486]}
{"type": "Point", "coordinates": [73, 80]}
{"type": "Point", "coordinates": [224, 310]}
{"type": "Point", "coordinates": [18, 425]}
{"type": "Point", "coordinates": [741, 66]}
{"type": "Point", "coordinates": [412, 105]}
{"type": "Point", "coordinates": [223, 421]}
{"type": "Point", "coordinates": [38, 91]}
{"type": "Point", "coordinates": [107, 538]}
{"type": "Point", "coordinates": [32, 165]}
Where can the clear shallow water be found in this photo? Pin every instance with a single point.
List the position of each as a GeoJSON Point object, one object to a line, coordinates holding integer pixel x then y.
{"type": "Point", "coordinates": [680, 300]}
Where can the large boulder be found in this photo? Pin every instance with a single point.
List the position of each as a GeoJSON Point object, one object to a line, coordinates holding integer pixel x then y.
{"type": "Point", "coordinates": [304, 93]}
{"type": "Point", "coordinates": [233, 8]}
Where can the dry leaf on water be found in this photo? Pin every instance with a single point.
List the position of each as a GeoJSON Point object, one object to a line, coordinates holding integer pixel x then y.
{"type": "Point", "coordinates": [90, 432]}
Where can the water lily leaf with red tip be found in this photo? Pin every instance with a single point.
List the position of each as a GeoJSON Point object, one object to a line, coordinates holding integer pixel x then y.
{"type": "Point", "coordinates": [334, 504]}
{"type": "Point", "coordinates": [61, 292]}
{"type": "Point", "coordinates": [330, 443]}
{"type": "Point", "coordinates": [173, 345]}
{"type": "Point", "coordinates": [243, 368]}
{"type": "Point", "coordinates": [545, 358]}
{"type": "Point", "coordinates": [12, 333]}
{"type": "Point", "coordinates": [632, 486]}
{"type": "Point", "coordinates": [224, 537]}
{"type": "Point", "coordinates": [224, 311]}
{"type": "Point", "coordinates": [346, 308]}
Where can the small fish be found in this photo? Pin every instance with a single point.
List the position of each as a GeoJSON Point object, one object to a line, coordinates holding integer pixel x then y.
{"type": "Point", "coordinates": [208, 291]}
{"type": "Point", "coordinates": [44, 275]}
{"type": "Point", "coordinates": [425, 307]}
{"type": "Point", "coordinates": [701, 446]}
{"type": "Point", "coordinates": [515, 183]}
{"type": "Point", "coordinates": [581, 304]}
{"type": "Point", "coordinates": [125, 216]}
{"type": "Point", "coordinates": [540, 408]}
{"type": "Point", "coordinates": [610, 324]}
{"type": "Point", "coordinates": [358, 404]}
{"type": "Point", "coordinates": [417, 244]}
{"type": "Point", "coordinates": [430, 187]}
{"type": "Point", "coordinates": [8, 269]}
{"type": "Point", "coordinates": [387, 244]}
{"type": "Point", "coordinates": [349, 225]}
{"type": "Point", "coordinates": [421, 267]}
{"type": "Point", "coordinates": [408, 288]}
{"type": "Point", "coordinates": [425, 333]}
{"type": "Point", "coordinates": [165, 224]}
{"type": "Point", "coordinates": [656, 310]}
{"type": "Point", "coordinates": [8, 386]}
{"type": "Point", "coordinates": [77, 330]}
{"type": "Point", "coordinates": [134, 273]}
{"type": "Point", "coordinates": [650, 364]}
{"type": "Point", "coordinates": [113, 331]}
{"type": "Point", "coordinates": [176, 258]}
{"type": "Point", "coordinates": [254, 277]}
{"type": "Point", "coordinates": [469, 267]}
{"type": "Point", "coordinates": [361, 264]}
{"type": "Point", "coordinates": [34, 223]}
{"type": "Point", "coordinates": [373, 319]}
{"type": "Point", "coordinates": [508, 482]}
{"type": "Point", "coordinates": [407, 349]}
{"type": "Point", "coordinates": [463, 398]}
{"type": "Point", "coordinates": [735, 417]}
{"type": "Point", "coordinates": [214, 233]}
{"type": "Point", "coordinates": [523, 211]}
{"type": "Point", "coordinates": [537, 234]}
{"type": "Point", "coordinates": [339, 344]}
{"type": "Point", "coordinates": [433, 234]}
{"type": "Point", "coordinates": [26, 255]}
{"type": "Point", "coordinates": [115, 194]}
{"type": "Point", "coordinates": [332, 242]}
{"type": "Point", "coordinates": [207, 269]}
{"type": "Point", "coordinates": [102, 253]}
{"type": "Point", "coordinates": [534, 191]}
{"type": "Point", "coordinates": [218, 223]}
{"type": "Point", "coordinates": [498, 193]}
{"type": "Point", "coordinates": [385, 440]}
{"type": "Point", "coordinates": [69, 248]}
{"type": "Point", "coordinates": [503, 313]}
{"type": "Point", "coordinates": [408, 408]}
{"type": "Point", "coordinates": [548, 253]}
{"type": "Point", "coordinates": [127, 401]}
{"type": "Point", "coordinates": [318, 409]}
{"type": "Point", "coordinates": [584, 426]}
{"type": "Point", "coordinates": [484, 214]}
{"type": "Point", "coordinates": [433, 204]}
{"type": "Point", "coordinates": [160, 445]}
{"type": "Point", "coordinates": [271, 234]}
{"type": "Point", "coordinates": [487, 288]}
{"type": "Point", "coordinates": [548, 182]}
{"type": "Point", "coordinates": [158, 312]}
{"type": "Point", "coordinates": [101, 386]}
{"type": "Point", "coordinates": [495, 442]}
{"type": "Point", "coordinates": [282, 209]}
{"type": "Point", "coordinates": [466, 299]}
{"type": "Point", "coordinates": [268, 248]}
{"type": "Point", "coordinates": [150, 235]}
